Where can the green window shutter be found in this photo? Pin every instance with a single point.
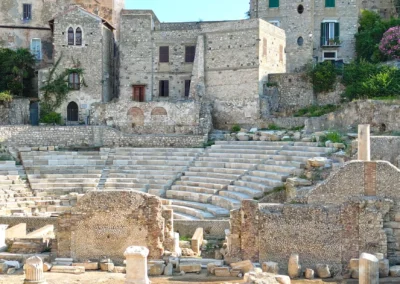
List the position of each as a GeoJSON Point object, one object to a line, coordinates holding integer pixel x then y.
{"type": "Point", "coordinates": [274, 3]}
{"type": "Point", "coordinates": [323, 32]}
{"type": "Point", "coordinates": [330, 3]}
{"type": "Point", "coordinates": [337, 30]}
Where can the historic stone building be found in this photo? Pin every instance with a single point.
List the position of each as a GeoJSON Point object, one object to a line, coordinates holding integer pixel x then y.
{"type": "Point", "coordinates": [25, 23]}
{"type": "Point", "coordinates": [317, 29]}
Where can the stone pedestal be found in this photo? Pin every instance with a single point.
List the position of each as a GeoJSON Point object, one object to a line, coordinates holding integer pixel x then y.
{"type": "Point", "coordinates": [3, 229]}
{"type": "Point", "coordinates": [34, 271]}
{"type": "Point", "coordinates": [368, 269]}
{"type": "Point", "coordinates": [136, 265]}
{"type": "Point", "coordinates": [364, 147]}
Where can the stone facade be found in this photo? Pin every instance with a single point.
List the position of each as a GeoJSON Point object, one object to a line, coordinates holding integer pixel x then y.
{"type": "Point", "coordinates": [386, 148]}
{"type": "Point", "coordinates": [95, 55]}
{"type": "Point", "coordinates": [304, 20]}
{"type": "Point", "coordinates": [15, 112]}
{"type": "Point", "coordinates": [93, 136]}
{"type": "Point", "coordinates": [382, 116]}
{"type": "Point", "coordinates": [105, 223]}
{"type": "Point", "coordinates": [231, 59]}
{"type": "Point", "coordinates": [18, 31]}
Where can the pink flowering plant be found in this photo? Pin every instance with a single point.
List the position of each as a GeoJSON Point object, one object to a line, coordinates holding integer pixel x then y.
{"type": "Point", "coordinates": [390, 43]}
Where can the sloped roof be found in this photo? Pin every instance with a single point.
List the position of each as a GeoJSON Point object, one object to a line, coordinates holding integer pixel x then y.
{"type": "Point", "coordinates": [77, 7]}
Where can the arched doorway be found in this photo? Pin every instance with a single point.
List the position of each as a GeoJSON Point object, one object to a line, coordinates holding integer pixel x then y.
{"type": "Point", "coordinates": [72, 112]}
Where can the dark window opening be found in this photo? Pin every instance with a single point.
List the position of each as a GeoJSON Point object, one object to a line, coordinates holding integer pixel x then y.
{"type": "Point", "coordinates": [300, 41]}
{"type": "Point", "coordinates": [274, 3]}
{"type": "Point", "coordinates": [74, 81]}
{"type": "Point", "coordinates": [187, 88]}
{"type": "Point", "coordinates": [27, 11]}
{"type": "Point", "coordinates": [164, 88]}
{"type": "Point", "coordinates": [300, 9]}
{"type": "Point", "coordinates": [330, 3]}
{"type": "Point", "coordinates": [164, 53]}
{"type": "Point", "coordinates": [78, 40]}
{"type": "Point", "coordinates": [71, 40]}
{"type": "Point", "coordinates": [139, 93]}
{"type": "Point", "coordinates": [190, 53]}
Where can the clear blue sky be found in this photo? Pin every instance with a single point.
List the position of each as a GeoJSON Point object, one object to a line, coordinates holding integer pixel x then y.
{"type": "Point", "coordinates": [192, 10]}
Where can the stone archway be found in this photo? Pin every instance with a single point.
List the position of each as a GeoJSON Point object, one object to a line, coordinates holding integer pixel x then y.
{"type": "Point", "coordinates": [136, 116]}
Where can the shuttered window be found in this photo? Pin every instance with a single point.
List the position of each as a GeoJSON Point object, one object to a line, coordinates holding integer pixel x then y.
{"type": "Point", "coordinates": [187, 88]}
{"type": "Point", "coordinates": [78, 35]}
{"type": "Point", "coordinates": [27, 11]}
{"type": "Point", "coordinates": [274, 3]}
{"type": "Point", "coordinates": [71, 36]}
{"type": "Point", "coordinates": [330, 34]}
{"type": "Point", "coordinates": [329, 3]}
{"type": "Point", "coordinates": [190, 53]}
{"type": "Point", "coordinates": [74, 82]}
{"type": "Point", "coordinates": [164, 88]}
{"type": "Point", "coordinates": [164, 53]}
{"type": "Point", "coordinates": [36, 48]}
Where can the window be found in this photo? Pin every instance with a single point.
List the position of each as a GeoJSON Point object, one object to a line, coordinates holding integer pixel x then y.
{"type": "Point", "coordinates": [138, 93]}
{"type": "Point", "coordinates": [330, 3]}
{"type": "Point", "coordinates": [300, 9]}
{"type": "Point", "coordinates": [190, 53]}
{"type": "Point", "coordinates": [36, 48]}
{"type": "Point", "coordinates": [78, 37]}
{"type": "Point", "coordinates": [71, 36]}
{"type": "Point", "coordinates": [164, 53]}
{"type": "Point", "coordinates": [300, 41]}
{"type": "Point", "coordinates": [187, 88]}
{"type": "Point", "coordinates": [164, 88]}
{"type": "Point", "coordinates": [27, 12]}
{"type": "Point", "coordinates": [274, 3]}
{"type": "Point", "coordinates": [330, 33]}
{"type": "Point", "coordinates": [329, 55]}
{"type": "Point", "coordinates": [275, 23]}
{"type": "Point", "coordinates": [74, 82]}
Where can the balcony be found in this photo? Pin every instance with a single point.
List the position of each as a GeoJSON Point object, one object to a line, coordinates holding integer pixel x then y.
{"type": "Point", "coordinates": [331, 42]}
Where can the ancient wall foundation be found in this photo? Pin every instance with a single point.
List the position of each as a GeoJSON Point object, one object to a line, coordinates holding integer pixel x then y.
{"type": "Point", "coordinates": [15, 112]}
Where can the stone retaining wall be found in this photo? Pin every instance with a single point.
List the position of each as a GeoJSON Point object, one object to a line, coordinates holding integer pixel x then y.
{"type": "Point", "coordinates": [95, 136]}
{"type": "Point", "coordinates": [212, 228]}
{"type": "Point", "coordinates": [386, 148]}
{"type": "Point", "coordinates": [15, 112]}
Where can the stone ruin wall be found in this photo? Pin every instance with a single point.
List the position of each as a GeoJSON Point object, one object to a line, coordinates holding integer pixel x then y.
{"type": "Point", "coordinates": [105, 223]}
{"type": "Point", "coordinates": [319, 234]}
{"type": "Point", "coordinates": [90, 136]}
{"type": "Point", "coordinates": [380, 115]}
{"type": "Point", "coordinates": [357, 179]}
{"type": "Point", "coordinates": [15, 112]}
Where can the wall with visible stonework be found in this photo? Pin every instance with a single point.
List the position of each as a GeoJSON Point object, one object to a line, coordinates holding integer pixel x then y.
{"type": "Point", "coordinates": [386, 148]}
{"type": "Point", "coordinates": [15, 112]}
{"type": "Point", "coordinates": [95, 136]}
{"type": "Point", "coordinates": [319, 234]}
{"type": "Point", "coordinates": [381, 115]}
{"type": "Point", "coordinates": [105, 223]}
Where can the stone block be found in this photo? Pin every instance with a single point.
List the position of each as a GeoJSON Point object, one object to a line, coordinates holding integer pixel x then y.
{"type": "Point", "coordinates": [197, 240]}
{"type": "Point", "coordinates": [309, 274]}
{"type": "Point", "coordinates": [68, 269]}
{"type": "Point", "coordinates": [88, 265]}
{"type": "Point", "coordinates": [47, 266]}
{"type": "Point", "coordinates": [11, 270]}
{"type": "Point", "coordinates": [283, 279]}
{"type": "Point", "coordinates": [323, 271]}
{"type": "Point", "coordinates": [383, 268]}
{"type": "Point", "coordinates": [211, 267]}
{"type": "Point", "coordinates": [3, 268]}
{"type": "Point", "coordinates": [222, 272]}
{"type": "Point", "coordinates": [270, 267]}
{"type": "Point", "coordinates": [294, 266]}
{"type": "Point", "coordinates": [245, 266]}
{"type": "Point", "coordinates": [354, 263]}
{"type": "Point", "coordinates": [107, 266]}
{"type": "Point", "coordinates": [236, 273]}
{"type": "Point", "coordinates": [156, 269]}
{"type": "Point", "coordinates": [355, 273]}
{"type": "Point", "coordinates": [189, 267]}
{"type": "Point", "coordinates": [168, 270]}
{"type": "Point", "coordinates": [395, 271]}
{"type": "Point", "coordinates": [119, 269]}
{"type": "Point", "coordinates": [42, 148]}
{"type": "Point", "coordinates": [50, 148]}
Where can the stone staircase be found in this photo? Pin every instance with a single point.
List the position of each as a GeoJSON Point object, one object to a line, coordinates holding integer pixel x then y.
{"type": "Point", "coordinates": [231, 171]}
{"type": "Point", "coordinates": [56, 173]}
{"type": "Point", "coordinates": [151, 170]}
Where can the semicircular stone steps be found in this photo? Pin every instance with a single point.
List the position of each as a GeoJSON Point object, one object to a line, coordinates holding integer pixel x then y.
{"type": "Point", "coordinates": [231, 171]}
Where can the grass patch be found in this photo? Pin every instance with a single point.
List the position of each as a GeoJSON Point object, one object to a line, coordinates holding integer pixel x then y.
{"type": "Point", "coordinates": [297, 128]}
{"type": "Point", "coordinates": [334, 137]}
{"type": "Point", "coordinates": [236, 128]}
{"type": "Point", "coordinates": [209, 143]}
{"type": "Point", "coordinates": [185, 238]}
{"type": "Point", "coordinates": [315, 111]}
{"type": "Point", "coordinates": [5, 157]}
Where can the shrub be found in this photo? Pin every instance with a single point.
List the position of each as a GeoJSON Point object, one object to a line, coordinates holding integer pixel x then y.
{"type": "Point", "coordinates": [323, 77]}
{"type": "Point", "coordinates": [51, 117]}
{"type": "Point", "coordinates": [273, 126]}
{"type": "Point", "coordinates": [236, 128]}
{"type": "Point", "coordinates": [390, 43]}
{"type": "Point", "coordinates": [315, 111]}
{"type": "Point", "coordinates": [5, 96]}
{"type": "Point", "coordinates": [334, 137]}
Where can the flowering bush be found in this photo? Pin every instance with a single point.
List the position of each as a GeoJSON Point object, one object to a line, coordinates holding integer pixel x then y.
{"type": "Point", "coordinates": [390, 43]}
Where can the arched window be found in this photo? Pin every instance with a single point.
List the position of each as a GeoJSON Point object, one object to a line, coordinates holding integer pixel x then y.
{"type": "Point", "coordinates": [78, 35]}
{"type": "Point", "coordinates": [74, 82]}
{"type": "Point", "coordinates": [71, 40]}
